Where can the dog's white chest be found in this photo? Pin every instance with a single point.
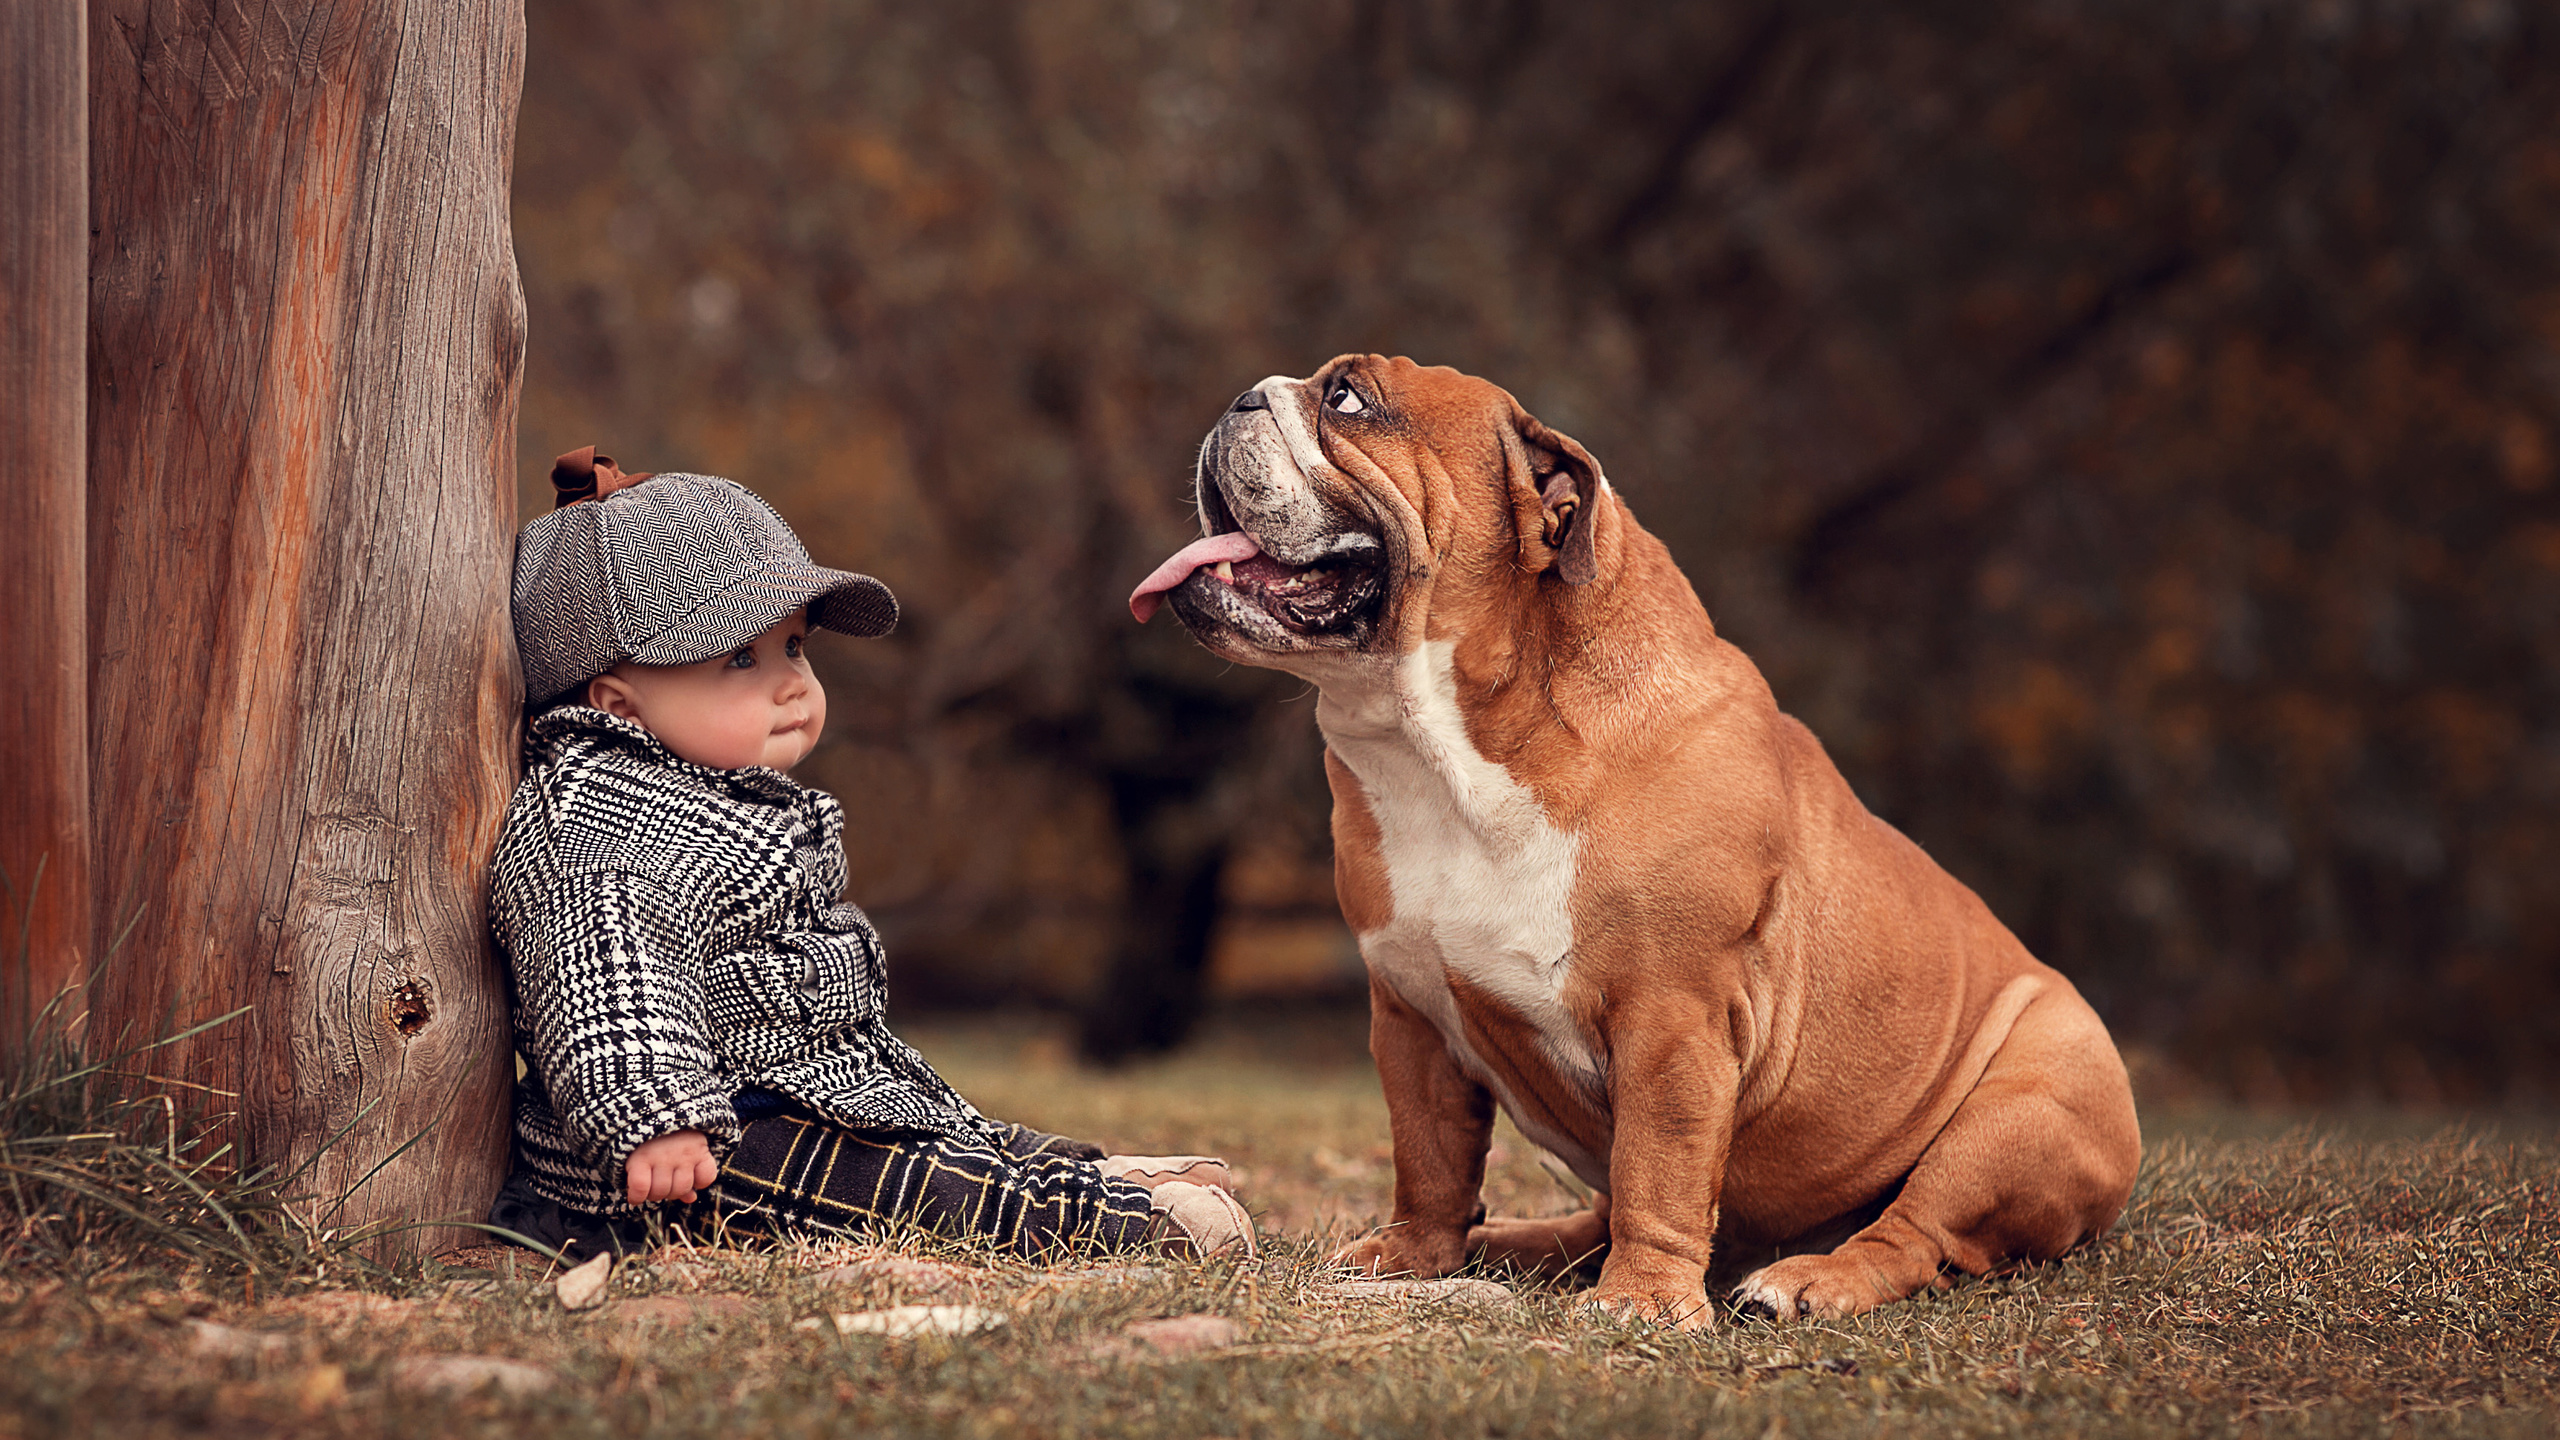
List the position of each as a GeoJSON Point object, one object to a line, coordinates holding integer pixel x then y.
{"type": "Point", "coordinates": [1481, 880]}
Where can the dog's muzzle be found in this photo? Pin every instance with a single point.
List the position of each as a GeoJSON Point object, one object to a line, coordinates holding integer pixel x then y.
{"type": "Point", "coordinates": [1282, 565]}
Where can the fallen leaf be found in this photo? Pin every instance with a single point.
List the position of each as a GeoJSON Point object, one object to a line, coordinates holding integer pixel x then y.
{"type": "Point", "coordinates": [214, 1341]}
{"type": "Point", "coordinates": [679, 1309]}
{"type": "Point", "coordinates": [900, 1321]}
{"type": "Point", "coordinates": [919, 1275]}
{"type": "Point", "coordinates": [1473, 1294]}
{"type": "Point", "coordinates": [1183, 1335]}
{"type": "Point", "coordinates": [338, 1307]}
{"type": "Point", "coordinates": [1104, 1275]}
{"type": "Point", "coordinates": [463, 1374]}
{"type": "Point", "coordinates": [321, 1387]}
{"type": "Point", "coordinates": [686, 1274]}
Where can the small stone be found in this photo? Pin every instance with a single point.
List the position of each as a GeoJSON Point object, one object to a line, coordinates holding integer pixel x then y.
{"type": "Point", "coordinates": [921, 1276]}
{"type": "Point", "coordinates": [583, 1288]}
{"type": "Point", "coordinates": [1471, 1294]}
{"type": "Point", "coordinates": [899, 1321]}
{"type": "Point", "coordinates": [464, 1374]}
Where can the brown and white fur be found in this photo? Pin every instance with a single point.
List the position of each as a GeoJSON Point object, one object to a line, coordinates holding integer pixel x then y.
{"type": "Point", "coordinates": [1600, 880]}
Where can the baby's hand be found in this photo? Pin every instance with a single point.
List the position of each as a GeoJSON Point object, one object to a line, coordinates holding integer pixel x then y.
{"type": "Point", "coordinates": [672, 1167]}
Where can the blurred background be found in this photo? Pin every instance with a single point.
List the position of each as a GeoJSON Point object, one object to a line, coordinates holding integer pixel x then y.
{"type": "Point", "coordinates": [2125, 434]}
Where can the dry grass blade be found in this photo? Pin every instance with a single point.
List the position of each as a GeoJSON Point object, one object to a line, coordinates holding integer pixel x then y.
{"type": "Point", "coordinates": [98, 1174]}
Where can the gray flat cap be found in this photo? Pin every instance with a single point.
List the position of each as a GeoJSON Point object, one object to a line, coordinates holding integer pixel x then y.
{"type": "Point", "coordinates": [668, 571]}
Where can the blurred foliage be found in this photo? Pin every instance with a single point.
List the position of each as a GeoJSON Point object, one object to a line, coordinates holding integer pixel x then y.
{"type": "Point", "coordinates": [2124, 433]}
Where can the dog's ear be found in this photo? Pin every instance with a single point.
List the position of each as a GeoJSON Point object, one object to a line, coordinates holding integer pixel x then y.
{"type": "Point", "coordinates": [1568, 483]}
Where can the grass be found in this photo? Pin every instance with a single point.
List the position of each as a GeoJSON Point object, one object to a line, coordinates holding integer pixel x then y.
{"type": "Point", "coordinates": [2372, 1275]}
{"type": "Point", "coordinates": [98, 1164]}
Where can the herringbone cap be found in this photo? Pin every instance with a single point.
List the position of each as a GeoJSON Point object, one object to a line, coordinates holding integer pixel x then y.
{"type": "Point", "coordinates": [675, 569]}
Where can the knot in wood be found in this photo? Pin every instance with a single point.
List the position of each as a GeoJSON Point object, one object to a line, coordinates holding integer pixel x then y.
{"type": "Point", "coordinates": [410, 1008]}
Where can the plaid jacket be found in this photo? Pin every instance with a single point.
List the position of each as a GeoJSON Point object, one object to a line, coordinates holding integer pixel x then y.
{"type": "Point", "coordinates": [675, 934]}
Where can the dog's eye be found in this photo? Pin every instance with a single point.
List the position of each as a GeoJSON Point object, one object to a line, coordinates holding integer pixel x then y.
{"type": "Point", "coordinates": [1345, 399]}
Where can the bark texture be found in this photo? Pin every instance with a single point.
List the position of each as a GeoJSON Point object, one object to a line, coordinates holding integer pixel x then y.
{"type": "Point", "coordinates": [306, 332]}
{"type": "Point", "coordinates": [44, 262]}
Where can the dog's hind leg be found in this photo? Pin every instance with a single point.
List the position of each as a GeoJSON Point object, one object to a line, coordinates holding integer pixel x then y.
{"type": "Point", "coordinates": [2037, 1160]}
{"type": "Point", "coordinates": [1555, 1247]}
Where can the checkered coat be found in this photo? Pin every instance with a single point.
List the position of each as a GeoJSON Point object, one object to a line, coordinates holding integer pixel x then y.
{"type": "Point", "coordinates": [675, 934]}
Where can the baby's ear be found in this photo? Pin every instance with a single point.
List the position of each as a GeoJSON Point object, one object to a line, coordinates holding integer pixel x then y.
{"type": "Point", "coordinates": [613, 695]}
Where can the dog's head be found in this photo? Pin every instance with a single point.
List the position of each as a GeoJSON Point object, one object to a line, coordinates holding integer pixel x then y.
{"type": "Point", "coordinates": [1376, 504]}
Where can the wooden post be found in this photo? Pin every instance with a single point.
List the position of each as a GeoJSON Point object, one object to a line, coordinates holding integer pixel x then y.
{"type": "Point", "coordinates": [306, 333]}
{"type": "Point", "coordinates": [44, 319]}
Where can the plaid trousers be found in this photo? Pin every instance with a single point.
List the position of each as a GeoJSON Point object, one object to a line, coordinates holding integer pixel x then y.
{"type": "Point", "coordinates": [797, 1171]}
{"type": "Point", "coordinates": [1034, 1194]}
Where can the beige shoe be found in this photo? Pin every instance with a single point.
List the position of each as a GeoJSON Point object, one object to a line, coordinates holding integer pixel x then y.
{"type": "Point", "coordinates": [1154, 1170]}
{"type": "Point", "coordinates": [1200, 1221]}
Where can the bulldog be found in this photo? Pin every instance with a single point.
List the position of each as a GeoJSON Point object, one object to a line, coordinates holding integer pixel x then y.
{"type": "Point", "coordinates": [1600, 880]}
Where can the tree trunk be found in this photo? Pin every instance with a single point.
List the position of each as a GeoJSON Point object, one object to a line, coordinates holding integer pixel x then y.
{"type": "Point", "coordinates": [44, 268]}
{"type": "Point", "coordinates": [305, 340]}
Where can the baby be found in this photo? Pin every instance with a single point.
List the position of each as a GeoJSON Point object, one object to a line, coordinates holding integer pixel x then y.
{"type": "Point", "coordinates": [698, 1009]}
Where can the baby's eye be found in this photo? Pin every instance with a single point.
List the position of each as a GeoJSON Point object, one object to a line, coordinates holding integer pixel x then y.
{"type": "Point", "coordinates": [743, 658]}
{"type": "Point", "coordinates": [791, 647]}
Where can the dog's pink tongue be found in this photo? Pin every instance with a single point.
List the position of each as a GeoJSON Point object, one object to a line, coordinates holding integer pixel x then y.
{"type": "Point", "coordinates": [1207, 550]}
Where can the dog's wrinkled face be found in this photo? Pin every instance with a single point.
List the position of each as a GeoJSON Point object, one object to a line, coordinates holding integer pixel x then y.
{"type": "Point", "coordinates": [1317, 577]}
{"type": "Point", "coordinates": [1333, 508]}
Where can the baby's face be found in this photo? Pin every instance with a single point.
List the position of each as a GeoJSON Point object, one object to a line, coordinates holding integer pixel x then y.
{"type": "Point", "coordinates": [757, 705]}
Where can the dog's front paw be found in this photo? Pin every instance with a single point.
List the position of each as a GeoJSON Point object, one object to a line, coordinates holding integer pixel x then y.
{"type": "Point", "coordinates": [1680, 1308]}
{"type": "Point", "coordinates": [1398, 1250]}
{"type": "Point", "coordinates": [1828, 1285]}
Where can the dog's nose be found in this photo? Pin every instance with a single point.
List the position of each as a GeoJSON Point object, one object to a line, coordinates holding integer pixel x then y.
{"type": "Point", "coordinates": [1251, 400]}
